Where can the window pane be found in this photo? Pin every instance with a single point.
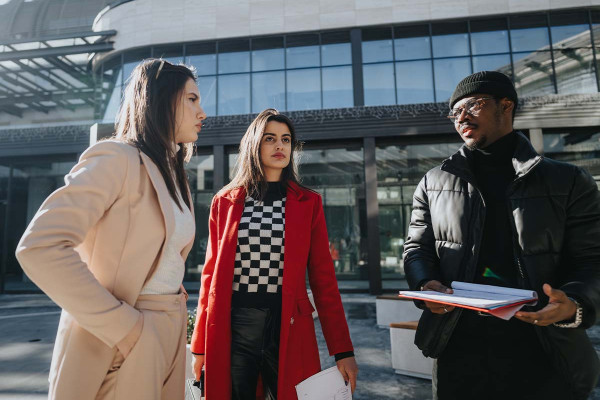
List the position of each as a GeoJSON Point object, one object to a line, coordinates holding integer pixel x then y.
{"type": "Point", "coordinates": [206, 64]}
{"type": "Point", "coordinates": [173, 54]}
{"type": "Point", "coordinates": [132, 59]}
{"type": "Point", "coordinates": [571, 36]}
{"type": "Point", "coordinates": [234, 94]}
{"type": "Point", "coordinates": [377, 51]}
{"type": "Point", "coordinates": [399, 170]}
{"type": "Point", "coordinates": [581, 148]}
{"type": "Point", "coordinates": [264, 60]}
{"type": "Point", "coordinates": [378, 81]}
{"type": "Point", "coordinates": [337, 87]}
{"type": "Point", "coordinates": [489, 42]}
{"type": "Point", "coordinates": [268, 91]}
{"type": "Point", "coordinates": [304, 89]}
{"type": "Point", "coordinates": [450, 39]}
{"type": "Point", "coordinates": [338, 175]}
{"type": "Point", "coordinates": [412, 48]}
{"type": "Point", "coordinates": [336, 54]}
{"type": "Point", "coordinates": [575, 71]}
{"type": "Point", "coordinates": [112, 106]}
{"type": "Point", "coordinates": [414, 80]}
{"type": "Point", "coordinates": [234, 62]}
{"type": "Point", "coordinates": [500, 62]}
{"type": "Point", "coordinates": [529, 39]}
{"type": "Point", "coordinates": [451, 45]}
{"type": "Point", "coordinates": [533, 73]}
{"type": "Point", "coordinates": [208, 92]}
{"type": "Point", "coordinates": [303, 56]}
{"type": "Point", "coordinates": [447, 75]}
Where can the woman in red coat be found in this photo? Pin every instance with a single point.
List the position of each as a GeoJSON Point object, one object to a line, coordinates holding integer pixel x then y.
{"type": "Point", "coordinates": [254, 316]}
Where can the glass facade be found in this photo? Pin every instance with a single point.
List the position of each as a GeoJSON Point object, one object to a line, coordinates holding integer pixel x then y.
{"type": "Point", "coordinates": [24, 185]}
{"type": "Point", "coordinates": [400, 167]}
{"type": "Point", "coordinates": [242, 76]}
{"type": "Point", "coordinates": [576, 146]}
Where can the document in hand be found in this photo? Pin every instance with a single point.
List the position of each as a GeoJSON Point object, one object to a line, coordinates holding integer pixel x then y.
{"type": "Point", "coordinates": [499, 301]}
{"type": "Point", "coordinates": [326, 385]}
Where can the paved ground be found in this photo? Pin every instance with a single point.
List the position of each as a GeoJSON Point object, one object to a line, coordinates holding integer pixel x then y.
{"type": "Point", "coordinates": [28, 327]}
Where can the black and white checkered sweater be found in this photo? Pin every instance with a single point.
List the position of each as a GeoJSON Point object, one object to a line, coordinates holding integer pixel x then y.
{"type": "Point", "coordinates": [258, 270]}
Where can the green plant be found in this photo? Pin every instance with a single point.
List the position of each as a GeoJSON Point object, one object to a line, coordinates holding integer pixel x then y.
{"type": "Point", "coordinates": [191, 321]}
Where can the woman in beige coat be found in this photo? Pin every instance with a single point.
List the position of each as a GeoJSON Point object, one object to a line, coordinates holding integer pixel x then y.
{"type": "Point", "coordinates": [109, 247]}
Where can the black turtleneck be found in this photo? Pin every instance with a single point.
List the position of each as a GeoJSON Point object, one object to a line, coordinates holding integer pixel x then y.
{"type": "Point", "coordinates": [494, 173]}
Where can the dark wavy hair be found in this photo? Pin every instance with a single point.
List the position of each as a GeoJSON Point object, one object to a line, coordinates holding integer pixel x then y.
{"type": "Point", "coordinates": [147, 118]}
{"type": "Point", "coordinates": [249, 172]}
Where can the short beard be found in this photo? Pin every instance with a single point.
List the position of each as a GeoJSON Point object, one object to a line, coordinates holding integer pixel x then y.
{"type": "Point", "coordinates": [480, 144]}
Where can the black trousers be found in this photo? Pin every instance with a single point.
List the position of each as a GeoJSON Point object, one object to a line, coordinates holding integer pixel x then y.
{"type": "Point", "coordinates": [254, 350]}
{"type": "Point", "coordinates": [489, 358]}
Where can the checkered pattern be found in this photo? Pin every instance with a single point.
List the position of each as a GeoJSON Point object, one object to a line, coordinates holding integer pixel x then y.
{"type": "Point", "coordinates": [259, 255]}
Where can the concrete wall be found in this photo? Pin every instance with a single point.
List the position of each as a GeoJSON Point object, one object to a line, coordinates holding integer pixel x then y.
{"type": "Point", "coordinates": [147, 22]}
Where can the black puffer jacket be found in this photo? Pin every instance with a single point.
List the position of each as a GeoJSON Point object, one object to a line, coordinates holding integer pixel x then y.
{"type": "Point", "coordinates": [556, 233]}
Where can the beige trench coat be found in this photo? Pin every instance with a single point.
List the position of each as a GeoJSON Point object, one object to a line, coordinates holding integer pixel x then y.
{"type": "Point", "coordinates": [91, 247]}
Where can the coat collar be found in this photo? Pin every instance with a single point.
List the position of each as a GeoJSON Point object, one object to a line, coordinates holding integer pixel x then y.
{"type": "Point", "coordinates": [524, 160]}
{"type": "Point", "coordinates": [238, 195]}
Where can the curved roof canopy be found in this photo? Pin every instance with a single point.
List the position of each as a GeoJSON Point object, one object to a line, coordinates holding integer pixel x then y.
{"type": "Point", "coordinates": [45, 46]}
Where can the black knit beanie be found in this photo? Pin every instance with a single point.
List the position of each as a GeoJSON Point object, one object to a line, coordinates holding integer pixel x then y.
{"type": "Point", "coordinates": [485, 82]}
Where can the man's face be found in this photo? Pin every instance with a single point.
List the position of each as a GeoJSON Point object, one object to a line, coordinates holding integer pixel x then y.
{"type": "Point", "coordinates": [480, 120]}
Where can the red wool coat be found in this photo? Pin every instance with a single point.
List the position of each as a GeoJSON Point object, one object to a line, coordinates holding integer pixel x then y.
{"type": "Point", "coordinates": [306, 247]}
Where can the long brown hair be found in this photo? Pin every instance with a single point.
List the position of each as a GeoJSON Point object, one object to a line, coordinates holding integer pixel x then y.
{"type": "Point", "coordinates": [249, 172]}
{"type": "Point", "coordinates": [147, 118]}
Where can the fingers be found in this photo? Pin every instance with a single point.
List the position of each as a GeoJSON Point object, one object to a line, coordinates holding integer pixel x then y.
{"type": "Point", "coordinates": [437, 286]}
{"type": "Point", "coordinates": [438, 308]}
{"type": "Point", "coordinates": [353, 375]}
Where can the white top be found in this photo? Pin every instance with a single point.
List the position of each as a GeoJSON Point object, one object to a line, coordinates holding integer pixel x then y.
{"type": "Point", "coordinates": [169, 273]}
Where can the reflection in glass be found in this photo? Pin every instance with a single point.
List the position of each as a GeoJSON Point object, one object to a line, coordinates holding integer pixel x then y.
{"type": "Point", "coordinates": [456, 44]}
{"type": "Point", "coordinates": [414, 82]}
{"type": "Point", "coordinates": [529, 39]}
{"type": "Point", "coordinates": [338, 175]}
{"type": "Point", "coordinates": [304, 89]}
{"type": "Point", "coordinates": [500, 62]}
{"type": "Point", "coordinates": [570, 36]}
{"type": "Point", "coordinates": [234, 94]}
{"type": "Point", "coordinates": [112, 107]}
{"type": "Point", "coordinates": [533, 74]}
{"type": "Point", "coordinates": [268, 91]}
{"type": "Point", "coordinates": [399, 170]}
{"type": "Point", "coordinates": [581, 148]}
{"type": "Point", "coordinates": [263, 60]}
{"type": "Point", "coordinates": [302, 56]}
{"type": "Point", "coordinates": [489, 42]}
{"type": "Point", "coordinates": [200, 171]}
{"type": "Point", "coordinates": [412, 48]}
{"type": "Point", "coordinates": [448, 72]}
{"type": "Point", "coordinates": [337, 87]}
{"type": "Point", "coordinates": [208, 93]}
{"type": "Point", "coordinates": [377, 51]}
{"type": "Point", "coordinates": [378, 81]}
{"type": "Point", "coordinates": [32, 181]}
{"type": "Point", "coordinates": [336, 54]}
{"type": "Point", "coordinates": [234, 62]}
{"type": "Point", "coordinates": [206, 64]}
{"type": "Point", "coordinates": [575, 71]}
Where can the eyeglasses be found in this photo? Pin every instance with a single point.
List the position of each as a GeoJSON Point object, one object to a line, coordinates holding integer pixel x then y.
{"type": "Point", "coordinates": [471, 107]}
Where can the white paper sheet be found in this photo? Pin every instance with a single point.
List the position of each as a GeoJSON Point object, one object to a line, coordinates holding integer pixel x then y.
{"type": "Point", "coordinates": [326, 385]}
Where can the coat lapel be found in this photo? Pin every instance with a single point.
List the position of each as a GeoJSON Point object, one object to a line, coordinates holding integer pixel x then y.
{"type": "Point", "coordinates": [164, 200]}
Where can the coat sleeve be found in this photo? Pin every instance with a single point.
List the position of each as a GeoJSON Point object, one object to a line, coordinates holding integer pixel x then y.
{"type": "Point", "coordinates": [581, 249]}
{"type": "Point", "coordinates": [47, 251]}
{"type": "Point", "coordinates": [421, 262]}
{"type": "Point", "coordinates": [198, 342]}
{"type": "Point", "coordinates": [323, 283]}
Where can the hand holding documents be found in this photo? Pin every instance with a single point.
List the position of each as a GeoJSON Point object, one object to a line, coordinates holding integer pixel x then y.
{"type": "Point", "coordinates": [498, 301]}
{"type": "Point", "coordinates": [326, 385]}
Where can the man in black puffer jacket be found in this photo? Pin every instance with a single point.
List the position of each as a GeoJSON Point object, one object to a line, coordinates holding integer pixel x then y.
{"type": "Point", "coordinates": [498, 213]}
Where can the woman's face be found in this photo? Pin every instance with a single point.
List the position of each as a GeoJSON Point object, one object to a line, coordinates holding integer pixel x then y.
{"type": "Point", "coordinates": [188, 115]}
{"type": "Point", "coordinates": [275, 149]}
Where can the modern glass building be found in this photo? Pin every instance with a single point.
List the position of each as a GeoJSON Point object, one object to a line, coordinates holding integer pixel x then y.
{"type": "Point", "coordinates": [366, 83]}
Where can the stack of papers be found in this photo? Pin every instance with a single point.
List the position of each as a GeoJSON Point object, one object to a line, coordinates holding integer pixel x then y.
{"type": "Point", "coordinates": [326, 385]}
{"type": "Point", "coordinates": [499, 301]}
